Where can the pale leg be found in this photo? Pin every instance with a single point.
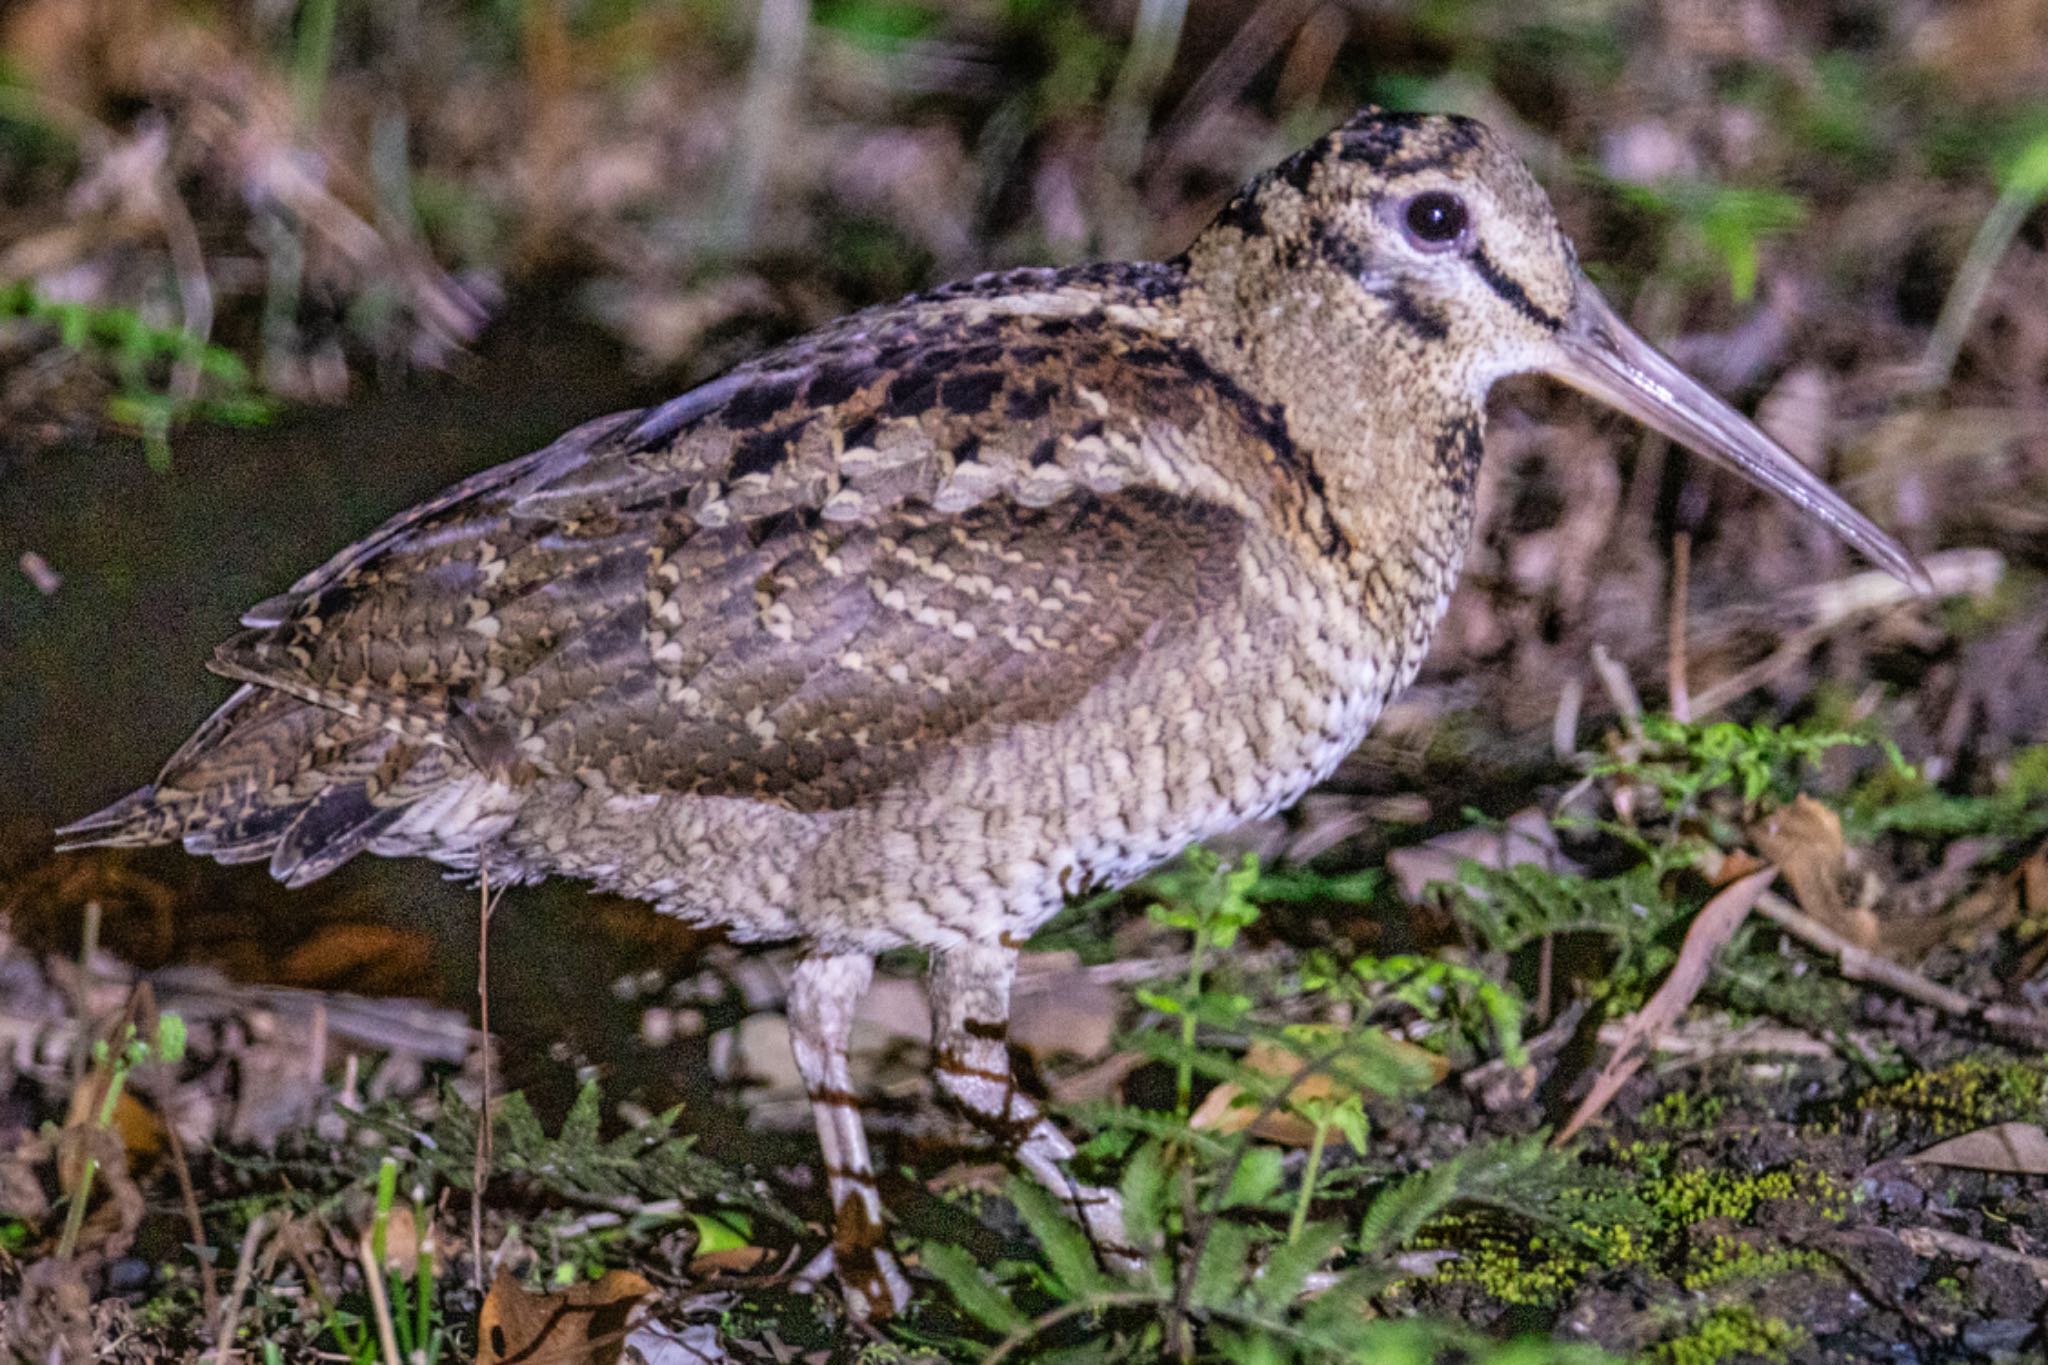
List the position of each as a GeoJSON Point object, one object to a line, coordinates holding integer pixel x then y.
{"type": "Point", "coordinates": [970, 990]}
{"type": "Point", "coordinates": [822, 999]}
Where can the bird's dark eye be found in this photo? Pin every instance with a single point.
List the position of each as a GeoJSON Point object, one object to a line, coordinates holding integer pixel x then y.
{"type": "Point", "coordinates": [1435, 219]}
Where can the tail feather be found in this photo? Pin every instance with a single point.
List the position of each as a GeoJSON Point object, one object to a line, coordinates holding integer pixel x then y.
{"type": "Point", "coordinates": [270, 776]}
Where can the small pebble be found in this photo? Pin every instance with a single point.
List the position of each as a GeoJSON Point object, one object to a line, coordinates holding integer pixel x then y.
{"type": "Point", "coordinates": [1999, 1338]}
{"type": "Point", "coordinates": [128, 1274]}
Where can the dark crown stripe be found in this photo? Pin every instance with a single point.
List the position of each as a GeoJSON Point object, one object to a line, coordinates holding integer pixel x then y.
{"type": "Point", "coordinates": [1510, 289]}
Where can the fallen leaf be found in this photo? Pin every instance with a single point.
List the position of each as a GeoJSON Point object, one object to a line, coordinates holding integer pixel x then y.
{"type": "Point", "coordinates": [655, 1343]}
{"type": "Point", "coordinates": [1228, 1109]}
{"type": "Point", "coordinates": [52, 1318]}
{"type": "Point", "coordinates": [21, 1188]}
{"type": "Point", "coordinates": [401, 1241]}
{"type": "Point", "coordinates": [117, 1201]}
{"type": "Point", "coordinates": [1527, 837]}
{"type": "Point", "coordinates": [1060, 1008]}
{"type": "Point", "coordinates": [2013, 1148]}
{"type": "Point", "coordinates": [1805, 840]}
{"type": "Point", "coordinates": [1715, 924]}
{"type": "Point", "coordinates": [731, 1261]}
{"type": "Point", "coordinates": [584, 1324]}
{"type": "Point", "coordinates": [366, 959]}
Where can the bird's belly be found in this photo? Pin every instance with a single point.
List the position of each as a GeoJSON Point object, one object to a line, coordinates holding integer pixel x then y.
{"type": "Point", "coordinates": [1183, 747]}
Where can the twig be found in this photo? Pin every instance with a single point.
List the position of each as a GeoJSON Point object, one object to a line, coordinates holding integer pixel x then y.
{"type": "Point", "coordinates": [209, 1288]}
{"type": "Point", "coordinates": [380, 1301]}
{"type": "Point", "coordinates": [1052, 1318]}
{"type": "Point", "coordinates": [1564, 723]}
{"type": "Point", "coordinates": [1936, 1242]}
{"type": "Point", "coordinates": [1860, 964]}
{"type": "Point", "coordinates": [1247, 53]}
{"type": "Point", "coordinates": [1674, 660]}
{"type": "Point", "coordinates": [767, 110]}
{"type": "Point", "coordinates": [1969, 572]}
{"type": "Point", "coordinates": [81, 991]}
{"type": "Point", "coordinates": [1155, 37]}
{"type": "Point", "coordinates": [480, 1171]}
{"type": "Point", "coordinates": [1614, 677]}
{"type": "Point", "coordinates": [245, 1264]}
{"type": "Point", "coordinates": [1715, 924]}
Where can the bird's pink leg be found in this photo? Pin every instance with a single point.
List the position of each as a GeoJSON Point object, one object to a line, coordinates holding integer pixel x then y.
{"type": "Point", "coordinates": [970, 991]}
{"type": "Point", "coordinates": [822, 998]}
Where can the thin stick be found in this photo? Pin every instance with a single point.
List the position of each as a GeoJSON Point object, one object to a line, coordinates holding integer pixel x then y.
{"type": "Point", "coordinates": [209, 1288]}
{"type": "Point", "coordinates": [1620, 691]}
{"type": "Point", "coordinates": [1675, 661]}
{"type": "Point", "coordinates": [81, 991]}
{"type": "Point", "coordinates": [1937, 1242]}
{"type": "Point", "coordinates": [480, 1171]}
{"type": "Point", "coordinates": [1712, 927]}
{"type": "Point", "coordinates": [1860, 964]}
{"type": "Point", "coordinates": [245, 1264]}
{"type": "Point", "coordinates": [380, 1302]}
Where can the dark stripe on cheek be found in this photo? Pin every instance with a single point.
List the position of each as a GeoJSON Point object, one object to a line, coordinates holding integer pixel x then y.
{"type": "Point", "coordinates": [1505, 285]}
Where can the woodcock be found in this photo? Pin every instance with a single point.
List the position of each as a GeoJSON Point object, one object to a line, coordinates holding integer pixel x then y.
{"type": "Point", "coordinates": [908, 630]}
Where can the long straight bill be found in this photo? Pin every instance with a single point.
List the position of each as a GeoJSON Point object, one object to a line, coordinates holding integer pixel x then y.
{"type": "Point", "coordinates": [1605, 357]}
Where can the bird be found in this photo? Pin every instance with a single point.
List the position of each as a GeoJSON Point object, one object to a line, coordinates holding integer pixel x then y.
{"type": "Point", "coordinates": [910, 630]}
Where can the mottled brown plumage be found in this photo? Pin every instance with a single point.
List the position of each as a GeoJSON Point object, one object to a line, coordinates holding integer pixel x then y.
{"type": "Point", "coordinates": [907, 630]}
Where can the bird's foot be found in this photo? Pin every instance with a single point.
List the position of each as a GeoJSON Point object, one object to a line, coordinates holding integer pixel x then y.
{"type": "Point", "coordinates": [873, 1283]}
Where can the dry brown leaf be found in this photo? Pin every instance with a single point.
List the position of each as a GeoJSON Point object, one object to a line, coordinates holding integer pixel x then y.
{"type": "Point", "coordinates": [118, 1206]}
{"type": "Point", "coordinates": [1221, 1111]}
{"type": "Point", "coordinates": [1715, 924]}
{"type": "Point", "coordinates": [401, 1241]}
{"type": "Point", "coordinates": [1527, 837]}
{"type": "Point", "coordinates": [21, 1188]}
{"type": "Point", "coordinates": [584, 1324]}
{"type": "Point", "coordinates": [1059, 1007]}
{"type": "Point", "coordinates": [1805, 840]}
{"type": "Point", "coordinates": [137, 1126]}
{"type": "Point", "coordinates": [2013, 1148]}
{"type": "Point", "coordinates": [368, 959]}
{"type": "Point", "coordinates": [53, 1316]}
{"type": "Point", "coordinates": [731, 1261]}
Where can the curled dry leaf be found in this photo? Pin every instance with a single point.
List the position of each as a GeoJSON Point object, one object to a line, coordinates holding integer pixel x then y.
{"type": "Point", "coordinates": [585, 1323]}
{"type": "Point", "coordinates": [1805, 840]}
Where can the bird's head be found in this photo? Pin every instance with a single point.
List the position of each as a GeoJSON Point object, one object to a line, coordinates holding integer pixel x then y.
{"type": "Point", "coordinates": [1429, 234]}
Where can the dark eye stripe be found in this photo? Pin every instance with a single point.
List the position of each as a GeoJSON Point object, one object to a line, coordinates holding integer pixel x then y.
{"type": "Point", "coordinates": [1509, 288]}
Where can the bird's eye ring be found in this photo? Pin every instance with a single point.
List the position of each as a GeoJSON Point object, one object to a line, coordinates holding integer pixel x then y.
{"type": "Point", "coordinates": [1435, 220]}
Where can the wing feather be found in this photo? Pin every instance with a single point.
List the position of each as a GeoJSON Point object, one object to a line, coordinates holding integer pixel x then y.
{"type": "Point", "coordinates": [801, 582]}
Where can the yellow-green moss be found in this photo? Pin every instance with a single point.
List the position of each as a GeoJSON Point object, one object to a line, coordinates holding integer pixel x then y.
{"type": "Point", "coordinates": [1726, 1331]}
{"type": "Point", "coordinates": [1682, 1111]}
{"type": "Point", "coordinates": [1722, 1260]}
{"type": "Point", "coordinates": [1966, 1095]}
{"type": "Point", "coordinates": [1658, 1231]}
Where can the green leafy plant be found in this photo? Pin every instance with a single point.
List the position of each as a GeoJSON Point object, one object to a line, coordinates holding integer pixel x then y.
{"type": "Point", "coordinates": [140, 354]}
{"type": "Point", "coordinates": [1727, 223]}
{"type": "Point", "coordinates": [1691, 765]}
{"type": "Point", "coordinates": [410, 1305]}
{"type": "Point", "coordinates": [116, 1059]}
{"type": "Point", "coordinates": [1246, 1270]}
{"type": "Point", "coordinates": [1213, 905]}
